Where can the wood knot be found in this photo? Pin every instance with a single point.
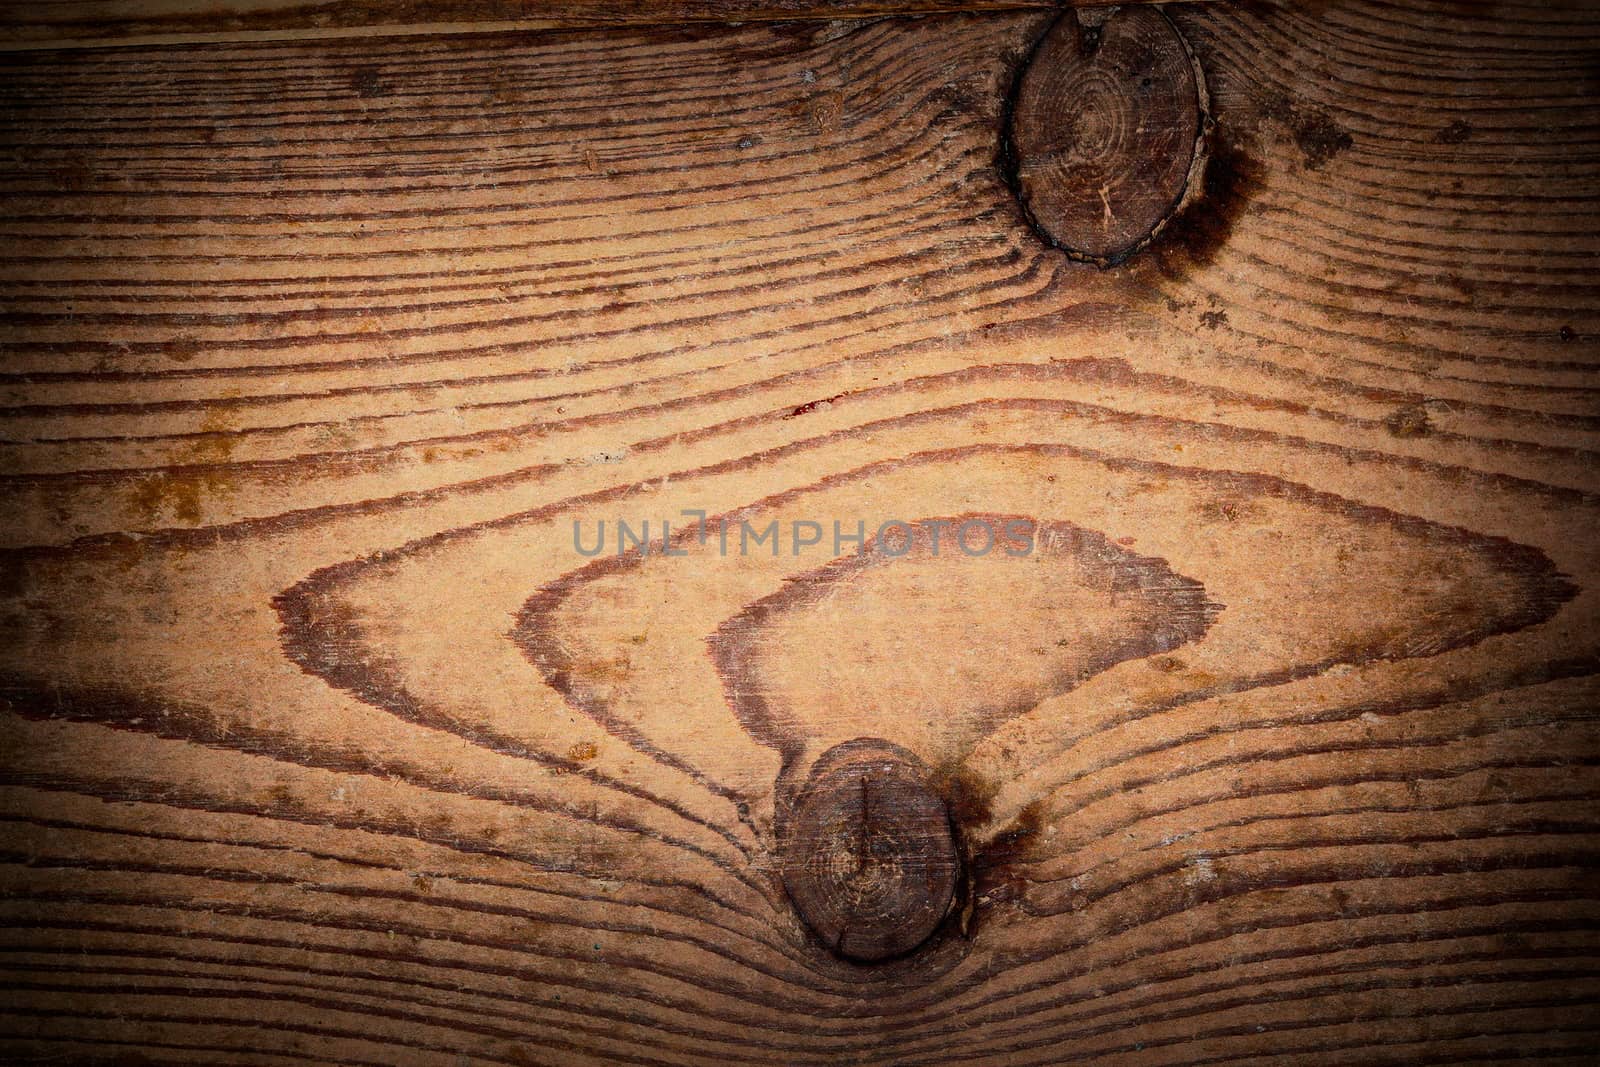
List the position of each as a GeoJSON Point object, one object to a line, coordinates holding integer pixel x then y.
{"type": "Point", "coordinates": [868, 854]}
{"type": "Point", "coordinates": [1107, 132]}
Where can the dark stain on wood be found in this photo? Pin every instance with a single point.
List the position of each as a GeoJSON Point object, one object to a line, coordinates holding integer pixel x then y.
{"type": "Point", "coordinates": [1318, 135]}
{"type": "Point", "coordinates": [1202, 227]}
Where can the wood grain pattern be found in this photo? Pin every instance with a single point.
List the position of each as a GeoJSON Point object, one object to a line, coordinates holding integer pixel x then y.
{"type": "Point", "coordinates": [82, 23]}
{"type": "Point", "coordinates": [325, 741]}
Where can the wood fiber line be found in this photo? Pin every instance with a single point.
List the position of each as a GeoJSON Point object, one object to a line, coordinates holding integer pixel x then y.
{"type": "Point", "coordinates": [323, 739]}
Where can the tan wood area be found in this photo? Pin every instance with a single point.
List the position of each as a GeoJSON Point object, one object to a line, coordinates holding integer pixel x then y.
{"type": "Point", "coordinates": [324, 739]}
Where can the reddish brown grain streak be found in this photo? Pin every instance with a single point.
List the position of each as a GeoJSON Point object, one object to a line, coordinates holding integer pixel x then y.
{"type": "Point", "coordinates": [576, 983]}
{"type": "Point", "coordinates": [1087, 369]}
{"type": "Point", "coordinates": [756, 1017]}
{"type": "Point", "coordinates": [926, 1017]}
{"type": "Point", "coordinates": [237, 530]}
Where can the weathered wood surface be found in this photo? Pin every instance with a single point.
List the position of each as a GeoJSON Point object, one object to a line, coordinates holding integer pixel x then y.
{"type": "Point", "coordinates": [323, 743]}
{"type": "Point", "coordinates": [110, 22]}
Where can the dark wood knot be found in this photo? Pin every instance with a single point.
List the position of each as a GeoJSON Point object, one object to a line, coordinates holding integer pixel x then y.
{"type": "Point", "coordinates": [1107, 132]}
{"type": "Point", "coordinates": [869, 856]}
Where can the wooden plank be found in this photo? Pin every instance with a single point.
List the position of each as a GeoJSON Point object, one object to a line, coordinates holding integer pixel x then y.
{"type": "Point", "coordinates": [98, 23]}
{"type": "Point", "coordinates": [326, 740]}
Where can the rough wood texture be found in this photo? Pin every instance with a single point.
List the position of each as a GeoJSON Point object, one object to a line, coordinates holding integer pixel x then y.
{"type": "Point", "coordinates": [83, 22]}
{"type": "Point", "coordinates": [869, 856]}
{"type": "Point", "coordinates": [324, 742]}
{"type": "Point", "coordinates": [1107, 132]}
